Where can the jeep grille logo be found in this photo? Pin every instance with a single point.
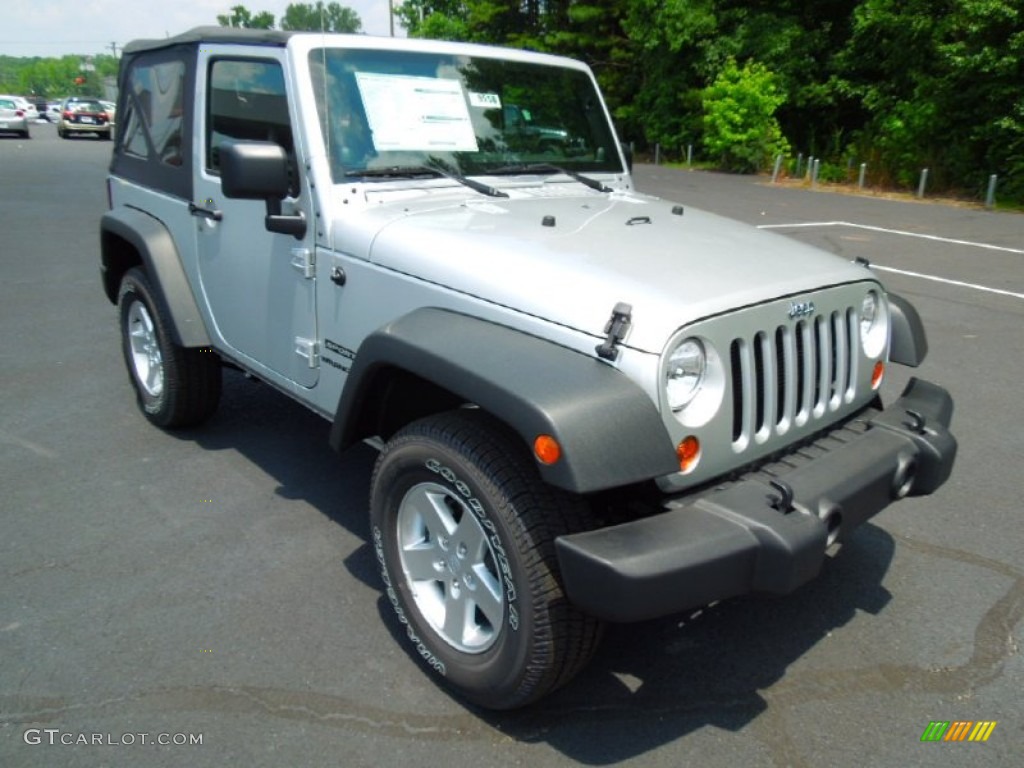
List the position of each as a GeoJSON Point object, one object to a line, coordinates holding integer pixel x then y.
{"type": "Point", "coordinates": [800, 309]}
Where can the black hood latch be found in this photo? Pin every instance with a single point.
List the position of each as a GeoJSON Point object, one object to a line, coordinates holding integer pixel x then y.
{"type": "Point", "coordinates": [616, 329]}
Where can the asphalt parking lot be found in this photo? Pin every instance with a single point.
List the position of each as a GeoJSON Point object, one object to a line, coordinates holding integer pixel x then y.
{"type": "Point", "coordinates": [219, 583]}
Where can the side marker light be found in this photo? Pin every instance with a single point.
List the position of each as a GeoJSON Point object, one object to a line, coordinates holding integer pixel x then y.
{"type": "Point", "coordinates": [546, 449]}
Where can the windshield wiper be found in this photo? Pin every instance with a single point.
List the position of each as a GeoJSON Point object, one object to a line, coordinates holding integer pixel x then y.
{"type": "Point", "coordinates": [550, 168]}
{"type": "Point", "coordinates": [411, 171]}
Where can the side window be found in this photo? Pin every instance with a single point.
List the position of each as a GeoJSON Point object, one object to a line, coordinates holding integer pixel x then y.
{"type": "Point", "coordinates": [246, 101]}
{"type": "Point", "coordinates": [153, 106]}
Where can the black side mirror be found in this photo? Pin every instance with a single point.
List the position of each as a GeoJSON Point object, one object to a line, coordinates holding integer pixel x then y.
{"type": "Point", "coordinates": [258, 170]}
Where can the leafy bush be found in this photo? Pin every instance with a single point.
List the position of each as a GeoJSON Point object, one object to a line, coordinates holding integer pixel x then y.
{"type": "Point", "coordinates": [739, 117]}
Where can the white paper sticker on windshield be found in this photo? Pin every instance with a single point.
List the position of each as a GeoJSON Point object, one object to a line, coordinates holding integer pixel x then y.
{"type": "Point", "coordinates": [484, 100]}
{"type": "Point", "coordinates": [420, 114]}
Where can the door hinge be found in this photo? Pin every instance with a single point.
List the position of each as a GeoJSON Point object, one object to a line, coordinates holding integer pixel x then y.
{"type": "Point", "coordinates": [308, 349]}
{"type": "Point", "coordinates": [304, 260]}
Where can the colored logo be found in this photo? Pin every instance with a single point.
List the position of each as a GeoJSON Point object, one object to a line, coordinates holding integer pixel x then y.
{"type": "Point", "coordinates": [958, 730]}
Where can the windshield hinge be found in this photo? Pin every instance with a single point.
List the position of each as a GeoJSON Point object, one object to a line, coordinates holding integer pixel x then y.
{"type": "Point", "coordinates": [304, 260]}
{"type": "Point", "coordinates": [308, 349]}
{"type": "Point", "coordinates": [616, 329]}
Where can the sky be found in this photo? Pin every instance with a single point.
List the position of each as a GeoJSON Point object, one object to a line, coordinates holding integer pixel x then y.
{"type": "Point", "coordinates": [88, 27]}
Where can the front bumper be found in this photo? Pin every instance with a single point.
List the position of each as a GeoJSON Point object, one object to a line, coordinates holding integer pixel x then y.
{"type": "Point", "coordinates": [769, 531]}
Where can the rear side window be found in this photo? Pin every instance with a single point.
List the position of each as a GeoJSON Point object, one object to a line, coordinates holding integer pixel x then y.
{"type": "Point", "coordinates": [153, 124]}
{"type": "Point", "coordinates": [153, 142]}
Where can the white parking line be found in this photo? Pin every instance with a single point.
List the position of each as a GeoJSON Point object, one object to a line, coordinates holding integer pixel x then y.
{"type": "Point", "coordinates": [946, 280]}
{"type": "Point", "coordinates": [893, 232]}
{"type": "Point", "coordinates": [934, 278]}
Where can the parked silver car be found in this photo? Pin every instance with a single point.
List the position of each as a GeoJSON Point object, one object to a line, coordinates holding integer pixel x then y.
{"type": "Point", "coordinates": [13, 117]}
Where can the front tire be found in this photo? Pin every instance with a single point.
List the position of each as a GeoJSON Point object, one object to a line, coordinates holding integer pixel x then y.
{"type": "Point", "coordinates": [175, 386]}
{"type": "Point", "coordinates": [464, 530]}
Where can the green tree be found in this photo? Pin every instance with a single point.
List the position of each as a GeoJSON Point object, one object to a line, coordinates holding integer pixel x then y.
{"type": "Point", "coordinates": [448, 17]}
{"type": "Point", "coordinates": [242, 17]}
{"type": "Point", "coordinates": [740, 127]}
{"type": "Point", "coordinates": [439, 26]}
{"type": "Point", "coordinates": [332, 17]}
{"type": "Point", "coordinates": [940, 81]}
{"type": "Point", "coordinates": [901, 83]}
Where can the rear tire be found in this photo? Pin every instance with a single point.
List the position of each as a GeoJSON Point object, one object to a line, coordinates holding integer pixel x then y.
{"type": "Point", "coordinates": [464, 530]}
{"type": "Point", "coordinates": [175, 386]}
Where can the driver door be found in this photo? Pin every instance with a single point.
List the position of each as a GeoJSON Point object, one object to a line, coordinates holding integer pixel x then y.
{"type": "Point", "coordinates": [258, 285]}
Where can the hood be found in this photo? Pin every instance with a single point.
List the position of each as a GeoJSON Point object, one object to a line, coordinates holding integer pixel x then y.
{"type": "Point", "coordinates": [571, 257]}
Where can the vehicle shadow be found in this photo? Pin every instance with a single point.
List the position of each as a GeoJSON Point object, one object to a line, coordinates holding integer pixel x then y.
{"type": "Point", "coordinates": [654, 682]}
{"type": "Point", "coordinates": [649, 683]}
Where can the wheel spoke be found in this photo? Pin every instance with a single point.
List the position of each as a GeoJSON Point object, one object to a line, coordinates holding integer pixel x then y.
{"type": "Point", "coordinates": [470, 534]}
{"type": "Point", "coordinates": [432, 511]}
{"type": "Point", "coordinates": [458, 612]}
{"type": "Point", "coordinates": [488, 595]}
{"type": "Point", "coordinates": [420, 561]}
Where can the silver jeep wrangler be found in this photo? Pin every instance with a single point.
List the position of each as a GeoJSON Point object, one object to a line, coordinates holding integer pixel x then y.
{"type": "Point", "coordinates": [593, 405]}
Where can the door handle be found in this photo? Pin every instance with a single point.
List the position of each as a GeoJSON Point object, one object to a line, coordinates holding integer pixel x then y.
{"type": "Point", "coordinates": [206, 213]}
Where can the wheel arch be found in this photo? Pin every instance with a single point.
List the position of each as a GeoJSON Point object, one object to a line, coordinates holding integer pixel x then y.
{"type": "Point", "coordinates": [610, 431]}
{"type": "Point", "coordinates": [130, 238]}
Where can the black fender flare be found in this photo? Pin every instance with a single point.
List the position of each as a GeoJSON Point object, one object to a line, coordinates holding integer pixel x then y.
{"type": "Point", "coordinates": [909, 345]}
{"type": "Point", "coordinates": [610, 431]}
{"type": "Point", "coordinates": [159, 254]}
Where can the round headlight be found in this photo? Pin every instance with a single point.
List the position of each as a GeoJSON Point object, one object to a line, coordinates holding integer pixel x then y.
{"type": "Point", "coordinates": [868, 313]}
{"type": "Point", "coordinates": [873, 324]}
{"type": "Point", "coordinates": [684, 373]}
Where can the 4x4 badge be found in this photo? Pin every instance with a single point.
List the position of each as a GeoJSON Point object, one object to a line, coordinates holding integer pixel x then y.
{"type": "Point", "coordinates": [800, 309]}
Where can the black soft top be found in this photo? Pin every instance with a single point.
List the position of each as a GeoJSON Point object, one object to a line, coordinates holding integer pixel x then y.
{"type": "Point", "coordinates": [197, 35]}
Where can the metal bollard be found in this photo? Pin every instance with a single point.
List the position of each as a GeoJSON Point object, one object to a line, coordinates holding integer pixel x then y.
{"type": "Point", "coordinates": [924, 180]}
{"type": "Point", "coordinates": [689, 155]}
{"type": "Point", "coordinates": [860, 178]}
{"type": "Point", "coordinates": [778, 166]}
{"type": "Point", "coordinates": [816, 171]}
{"type": "Point", "coordinates": [657, 154]}
{"type": "Point", "coordinates": [990, 196]}
{"type": "Point", "coordinates": [799, 165]}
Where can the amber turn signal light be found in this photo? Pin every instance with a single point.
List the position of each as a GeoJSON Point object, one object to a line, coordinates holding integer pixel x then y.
{"type": "Point", "coordinates": [877, 374]}
{"type": "Point", "coordinates": [546, 449]}
{"type": "Point", "coordinates": [688, 452]}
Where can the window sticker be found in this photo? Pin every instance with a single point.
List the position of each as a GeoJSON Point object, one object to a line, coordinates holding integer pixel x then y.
{"type": "Point", "coordinates": [484, 100]}
{"type": "Point", "coordinates": [408, 113]}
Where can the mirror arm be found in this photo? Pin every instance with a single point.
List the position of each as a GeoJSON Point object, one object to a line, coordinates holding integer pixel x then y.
{"type": "Point", "coordinates": [292, 224]}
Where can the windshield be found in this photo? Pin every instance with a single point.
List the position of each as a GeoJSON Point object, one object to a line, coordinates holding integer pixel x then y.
{"type": "Point", "coordinates": [472, 115]}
